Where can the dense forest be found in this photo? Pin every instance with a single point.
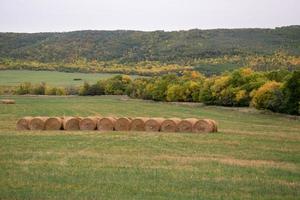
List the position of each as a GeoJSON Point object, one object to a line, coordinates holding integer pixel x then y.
{"type": "Point", "coordinates": [124, 51]}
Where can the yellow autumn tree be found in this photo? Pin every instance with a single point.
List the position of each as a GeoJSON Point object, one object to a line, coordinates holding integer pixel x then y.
{"type": "Point", "coordinates": [269, 96]}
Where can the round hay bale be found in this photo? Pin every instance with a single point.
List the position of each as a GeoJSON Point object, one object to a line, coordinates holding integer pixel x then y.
{"type": "Point", "coordinates": [123, 124]}
{"type": "Point", "coordinates": [53, 123]}
{"type": "Point", "coordinates": [170, 125]}
{"type": "Point", "coordinates": [37, 123]}
{"type": "Point", "coordinates": [215, 125]}
{"type": "Point", "coordinates": [138, 124]}
{"type": "Point", "coordinates": [203, 126]}
{"type": "Point", "coordinates": [106, 124]}
{"type": "Point", "coordinates": [71, 123]}
{"type": "Point", "coordinates": [153, 124]}
{"type": "Point", "coordinates": [23, 123]}
{"type": "Point", "coordinates": [88, 123]}
{"type": "Point", "coordinates": [186, 125]}
{"type": "Point", "coordinates": [8, 101]}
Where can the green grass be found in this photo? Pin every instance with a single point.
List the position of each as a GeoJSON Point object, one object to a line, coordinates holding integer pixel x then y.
{"type": "Point", "coordinates": [15, 77]}
{"type": "Point", "coordinates": [216, 69]}
{"type": "Point", "coordinates": [253, 156]}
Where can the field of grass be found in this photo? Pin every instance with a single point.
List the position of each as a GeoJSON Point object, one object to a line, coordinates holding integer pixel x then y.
{"type": "Point", "coordinates": [15, 77]}
{"type": "Point", "coordinates": [216, 69]}
{"type": "Point", "coordinates": [253, 156]}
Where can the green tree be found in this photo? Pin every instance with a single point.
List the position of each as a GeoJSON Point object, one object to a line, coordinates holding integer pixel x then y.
{"type": "Point", "coordinates": [84, 90]}
{"type": "Point", "coordinates": [117, 85]}
{"type": "Point", "coordinates": [176, 92]}
{"type": "Point", "coordinates": [24, 88]}
{"type": "Point", "coordinates": [291, 90]}
{"type": "Point", "coordinates": [39, 89]}
{"type": "Point", "coordinates": [160, 85]}
{"type": "Point", "coordinates": [207, 94]}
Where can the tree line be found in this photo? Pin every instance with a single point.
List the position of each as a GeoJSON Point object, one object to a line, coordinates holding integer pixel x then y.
{"type": "Point", "coordinates": [278, 91]}
{"type": "Point", "coordinates": [207, 66]}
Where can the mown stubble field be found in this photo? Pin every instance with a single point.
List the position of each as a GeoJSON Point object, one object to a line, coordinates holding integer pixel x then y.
{"type": "Point", "coordinates": [253, 156]}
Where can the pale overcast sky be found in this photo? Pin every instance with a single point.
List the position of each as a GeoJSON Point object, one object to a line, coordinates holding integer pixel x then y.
{"type": "Point", "coordinates": [69, 15]}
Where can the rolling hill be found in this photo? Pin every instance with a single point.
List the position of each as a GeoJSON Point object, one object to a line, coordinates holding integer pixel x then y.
{"type": "Point", "coordinates": [131, 47]}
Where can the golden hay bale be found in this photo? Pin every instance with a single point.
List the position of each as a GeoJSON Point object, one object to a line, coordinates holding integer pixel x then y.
{"type": "Point", "coordinates": [106, 124]}
{"type": "Point", "coordinates": [138, 124]}
{"type": "Point", "coordinates": [88, 123]}
{"type": "Point", "coordinates": [186, 125]}
{"type": "Point", "coordinates": [53, 123]}
{"type": "Point", "coordinates": [170, 125]}
{"type": "Point", "coordinates": [203, 126]}
{"type": "Point", "coordinates": [71, 123]}
{"type": "Point", "coordinates": [23, 124]}
{"type": "Point", "coordinates": [153, 124]}
{"type": "Point", "coordinates": [215, 125]}
{"type": "Point", "coordinates": [123, 124]}
{"type": "Point", "coordinates": [8, 101]}
{"type": "Point", "coordinates": [37, 123]}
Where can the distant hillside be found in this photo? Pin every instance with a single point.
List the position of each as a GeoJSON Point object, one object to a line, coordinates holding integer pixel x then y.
{"type": "Point", "coordinates": [176, 47]}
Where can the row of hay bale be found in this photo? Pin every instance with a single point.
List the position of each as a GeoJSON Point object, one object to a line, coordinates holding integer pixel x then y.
{"type": "Point", "coordinates": [118, 124]}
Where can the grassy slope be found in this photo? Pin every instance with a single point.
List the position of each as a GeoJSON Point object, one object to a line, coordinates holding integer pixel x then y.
{"type": "Point", "coordinates": [15, 77]}
{"type": "Point", "coordinates": [254, 156]}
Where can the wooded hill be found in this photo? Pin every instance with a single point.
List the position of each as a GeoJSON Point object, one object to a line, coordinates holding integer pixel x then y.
{"type": "Point", "coordinates": [180, 47]}
{"type": "Point", "coordinates": [153, 53]}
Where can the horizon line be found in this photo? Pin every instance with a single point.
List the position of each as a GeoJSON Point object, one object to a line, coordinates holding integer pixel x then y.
{"type": "Point", "coordinates": [156, 30]}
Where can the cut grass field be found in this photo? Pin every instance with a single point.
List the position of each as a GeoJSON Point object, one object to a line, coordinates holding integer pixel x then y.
{"type": "Point", "coordinates": [253, 156]}
{"type": "Point", "coordinates": [15, 77]}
